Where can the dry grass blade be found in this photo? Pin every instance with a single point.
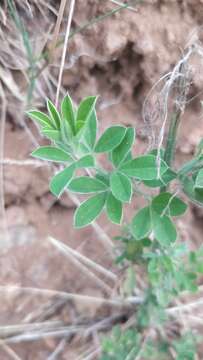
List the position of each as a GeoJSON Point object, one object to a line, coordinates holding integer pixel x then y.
{"type": "Point", "coordinates": [12, 354]}
{"type": "Point", "coordinates": [100, 269]}
{"type": "Point", "coordinates": [117, 302]}
{"type": "Point", "coordinates": [185, 307]}
{"type": "Point", "coordinates": [10, 330]}
{"type": "Point", "coordinates": [57, 27]}
{"type": "Point", "coordinates": [55, 354]}
{"type": "Point", "coordinates": [85, 270]}
{"type": "Point", "coordinates": [72, 6]}
{"type": "Point", "coordinates": [35, 163]}
{"type": "Point", "coordinates": [35, 336]}
{"type": "Point", "coordinates": [84, 330]}
{"type": "Point", "coordinates": [2, 134]}
{"type": "Point", "coordinates": [129, 7]}
{"type": "Point", "coordinates": [91, 355]}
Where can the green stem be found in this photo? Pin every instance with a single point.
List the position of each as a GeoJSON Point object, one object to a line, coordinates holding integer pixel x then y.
{"type": "Point", "coordinates": [171, 141]}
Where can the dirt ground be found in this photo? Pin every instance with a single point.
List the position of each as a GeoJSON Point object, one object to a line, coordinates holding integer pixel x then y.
{"type": "Point", "coordinates": [119, 58]}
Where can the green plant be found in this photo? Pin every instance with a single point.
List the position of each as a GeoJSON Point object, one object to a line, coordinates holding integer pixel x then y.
{"type": "Point", "coordinates": [148, 243]}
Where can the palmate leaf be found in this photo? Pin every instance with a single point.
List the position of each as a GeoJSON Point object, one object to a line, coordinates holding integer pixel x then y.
{"type": "Point", "coordinates": [168, 204]}
{"type": "Point", "coordinates": [85, 111]}
{"type": "Point", "coordinates": [143, 168]}
{"type": "Point", "coordinates": [51, 153]}
{"type": "Point", "coordinates": [114, 209]}
{"type": "Point", "coordinates": [86, 184]}
{"type": "Point", "coordinates": [89, 210]}
{"type": "Point", "coordinates": [121, 186]}
{"type": "Point", "coordinates": [141, 223]}
{"type": "Point", "coordinates": [110, 139]}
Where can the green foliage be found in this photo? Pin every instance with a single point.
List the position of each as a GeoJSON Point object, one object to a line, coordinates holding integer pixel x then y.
{"type": "Point", "coordinates": [114, 209]}
{"type": "Point", "coordinates": [128, 344]}
{"type": "Point", "coordinates": [51, 134]}
{"type": "Point", "coordinates": [149, 240]}
{"type": "Point", "coordinates": [42, 119]}
{"type": "Point", "coordinates": [54, 115]}
{"type": "Point", "coordinates": [84, 112]}
{"type": "Point", "coordinates": [167, 203]}
{"type": "Point", "coordinates": [86, 184]}
{"type": "Point", "coordinates": [120, 153]}
{"type": "Point", "coordinates": [61, 180]}
{"type": "Point", "coordinates": [89, 210]}
{"type": "Point", "coordinates": [110, 139]}
{"type": "Point", "coordinates": [51, 153]}
{"type": "Point", "coordinates": [163, 228]}
{"type": "Point", "coordinates": [166, 178]}
{"type": "Point", "coordinates": [121, 345]}
{"type": "Point", "coordinates": [199, 180]}
{"type": "Point", "coordinates": [90, 132]}
{"type": "Point", "coordinates": [194, 194]}
{"type": "Point", "coordinates": [68, 113]}
{"type": "Point", "coordinates": [143, 168]}
{"type": "Point", "coordinates": [121, 186]}
{"type": "Point", "coordinates": [141, 223]}
{"type": "Point", "coordinates": [186, 347]}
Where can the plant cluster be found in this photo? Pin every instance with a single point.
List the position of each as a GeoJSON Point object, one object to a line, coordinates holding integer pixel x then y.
{"type": "Point", "coordinates": [148, 243]}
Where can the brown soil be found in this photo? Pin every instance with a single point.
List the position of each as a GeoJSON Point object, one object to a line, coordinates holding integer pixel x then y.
{"type": "Point", "coordinates": [119, 58]}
